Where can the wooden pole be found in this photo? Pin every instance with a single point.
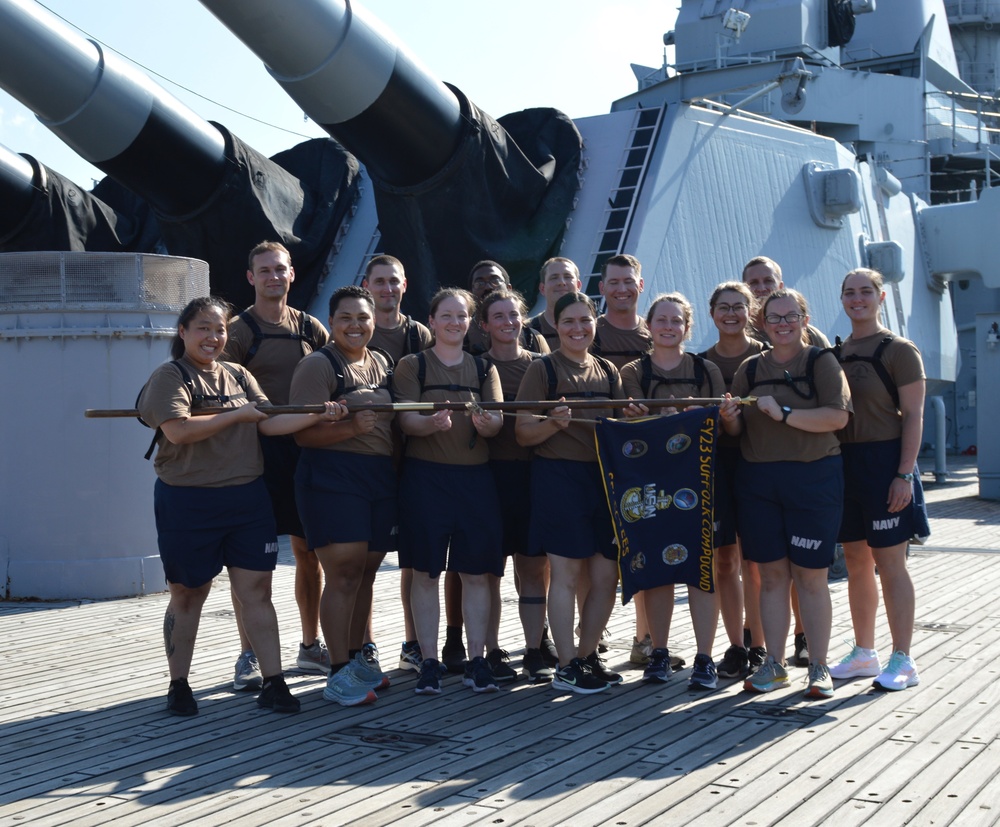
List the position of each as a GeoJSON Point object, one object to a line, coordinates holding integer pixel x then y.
{"type": "Point", "coordinates": [396, 407]}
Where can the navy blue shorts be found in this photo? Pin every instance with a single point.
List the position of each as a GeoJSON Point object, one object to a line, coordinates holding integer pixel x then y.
{"type": "Point", "coordinates": [449, 517]}
{"type": "Point", "coordinates": [790, 509]}
{"type": "Point", "coordinates": [726, 461]}
{"type": "Point", "coordinates": [281, 455]}
{"type": "Point", "coordinates": [570, 517]}
{"type": "Point", "coordinates": [200, 531]}
{"type": "Point", "coordinates": [513, 482]}
{"type": "Point", "coordinates": [869, 469]}
{"type": "Point", "coordinates": [347, 498]}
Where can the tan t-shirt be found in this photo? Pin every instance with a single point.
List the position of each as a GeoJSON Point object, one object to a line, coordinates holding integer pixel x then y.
{"type": "Point", "coordinates": [275, 360]}
{"type": "Point", "coordinates": [620, 346]}
{"type": "Point", "coordinates": [315, 382]}
{"type": "Point", "coordinates": [577, 441]}
{"type": "Point", "coordinates": [727, 365]}
{"type": "Point", "coordinates": [461, 444]}
{"type": "Point", "coordinates": [230, 457]}
{"type": "Point", "coordinates": [876, 416]}
{"type": "Point", "coordinates": [397, 342]}
{"type": "Point", "coordinates": [504, 445]}
{"type": "Point", "coordinates": [541, 325]}
{"type": "Point", "coordinates": [681, 380]}
{"type": "Point", "coordinates": [764, 439]}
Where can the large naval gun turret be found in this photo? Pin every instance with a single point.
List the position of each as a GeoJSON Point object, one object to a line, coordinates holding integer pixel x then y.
{"type": "Point", "coordinates": [211, 196]}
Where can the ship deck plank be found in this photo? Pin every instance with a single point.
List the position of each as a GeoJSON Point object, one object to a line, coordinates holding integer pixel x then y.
{"type": "Point", "coordinates": [87, 741]}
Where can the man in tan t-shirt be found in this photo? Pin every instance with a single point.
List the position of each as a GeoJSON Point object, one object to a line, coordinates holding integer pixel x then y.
{"type": "Point", "coordinates": [269, 338]}
{"type": "Point", "coordinates": [622, 335]}
{"type": "Point", "coordinates": [395, 333]}
{"type": "Point", "coordinates": [558, 277]}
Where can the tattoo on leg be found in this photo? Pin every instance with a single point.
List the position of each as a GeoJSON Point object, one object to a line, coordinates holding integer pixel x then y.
{"type": "Point", "coordinates": [168, 633]}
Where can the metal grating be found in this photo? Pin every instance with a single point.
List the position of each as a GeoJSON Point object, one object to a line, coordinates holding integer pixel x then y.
{"type": "Point", "coordinates": [64, 280]}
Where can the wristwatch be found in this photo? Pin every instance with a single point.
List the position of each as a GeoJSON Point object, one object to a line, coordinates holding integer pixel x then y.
{"type": "Point", "coordinates": [905, 477]}
{"type": "Point", "coordinates": [785, 411]}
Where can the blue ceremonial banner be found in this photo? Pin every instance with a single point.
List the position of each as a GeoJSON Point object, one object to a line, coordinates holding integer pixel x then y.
{"type": "Point", "coordinates": [659, 479]}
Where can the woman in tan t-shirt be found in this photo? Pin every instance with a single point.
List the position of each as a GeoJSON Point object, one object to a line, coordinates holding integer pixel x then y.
{"type": "Point", "coordinates": [209, 466]}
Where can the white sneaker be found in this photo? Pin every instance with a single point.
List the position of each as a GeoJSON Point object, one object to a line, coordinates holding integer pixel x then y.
{"type": "Point", "coordinates": [859, 663]}
{"type": "Point", "coordinates": [899, 674]}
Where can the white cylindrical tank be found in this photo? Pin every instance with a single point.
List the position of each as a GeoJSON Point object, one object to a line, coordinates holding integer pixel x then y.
{"type": "Point", "coordinates": [77, 331]}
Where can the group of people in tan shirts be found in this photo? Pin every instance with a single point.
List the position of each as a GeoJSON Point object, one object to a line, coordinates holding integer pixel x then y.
{"type": "Point", "coordinates": [458, 491]}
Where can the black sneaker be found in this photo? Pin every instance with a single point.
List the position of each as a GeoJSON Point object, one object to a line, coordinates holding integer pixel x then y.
{"type": "Point", "coordinates": [429, 682]}
{"type": "Point", "coordinates": [658, 668]}
{"type": "Point", "coordinates": [453, 656]}
{"type": "Point", "coordinates": [703, 673]}
{"type": "Point", "coordinates": [534, 666]}
{"type": "Point", "coordinates": [756, 655]}
{"type": "Point", "coordinates": [548, 649]}
{"type": "Point", "coordinates": [577, 677]}
{"type": "Point", "coordinates": [801, 657]}
{"type": "Point", "coordinates": [276, 695]}
{"type": "Point", "coordinates": [180, 700]}
{"type": "Point", "coordinates": [499, 662]}
{"type": "Point", "coordinates": [478, 676]}
{"type": "Point", "coordinates": [734, 664]}
{"type": "Point", "coordinates": [601, 672]}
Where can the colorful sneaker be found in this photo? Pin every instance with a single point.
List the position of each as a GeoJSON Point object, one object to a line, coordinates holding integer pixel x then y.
{"type": "Point", "coordinates": [658, 668]}
{"type": "Point", "coordinates": [600, 671]}
{"type": "Point", "coordinates": [577, 677]}
{"type": "Point", "coordinates": [479, 677]}
{"type": "Point", "coordinates": [735, 663]}
{"type": "Point", "coordinates": [859, 663]}
{"type": "Point", "coordinates": [453, 655]}
{"type": "Point", "coordinates": [770, 676]}
{"type": "Point", "coordinates": [820, 682]}
{"type": "Point", "coordinates": [370, 675]}
{"type": "Point", "coordinates": [314, 658]}
{"type": "Point", "coordinates": [247, 675]}
{"type": "Point", "coordinates": [276, 695]}
{"type": "Point", "coordinates": [548, 649]}
{"type": "Point", "coordinates": [756, 655]}
{"type": "Point", "coordinates": [900, 673]}
{"type": "Point", "coordinates": [429, 682]}
{"type": "Point", "coordinates": [641, 650]}
{"type": "Point", "coordinates": [703, 674]}
{"type": "Point", "coordinates": [534, 666]}
{"type": "Point", "coordinates": [180, 699]}
{"type": "Point", "coordinates": [347, 689]}
{"type": "Point", "coordinates": [499, 662]}
{"type": "Point", "coordinates": [410, 657]}
{"type": "Point", "coordinates": [801, 656]}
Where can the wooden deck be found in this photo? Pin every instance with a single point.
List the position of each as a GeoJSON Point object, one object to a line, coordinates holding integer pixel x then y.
{"type": "Point", "coordinates": [86, 742]}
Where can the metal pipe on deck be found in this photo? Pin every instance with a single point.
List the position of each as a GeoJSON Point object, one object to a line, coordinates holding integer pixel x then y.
{"type": "Point", "coordinates": [111, 114]}
{"type": "Point", "coordinates": [353, 78]}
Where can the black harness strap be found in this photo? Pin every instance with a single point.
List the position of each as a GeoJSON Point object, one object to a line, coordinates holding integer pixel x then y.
{"type": "Point", "coordinates": [647, 378]}
{"type": "Point", "coordinates": [875, 360]}
{"type": "Point", "coordinates": [304, 335]}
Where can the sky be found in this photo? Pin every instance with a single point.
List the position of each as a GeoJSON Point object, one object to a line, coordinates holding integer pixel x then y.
{"type": "Point", "coordinates": [573, 55]}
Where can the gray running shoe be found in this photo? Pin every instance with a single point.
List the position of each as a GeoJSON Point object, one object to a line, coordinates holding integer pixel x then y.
{"type": "Point", "coordinates": [247, 674]}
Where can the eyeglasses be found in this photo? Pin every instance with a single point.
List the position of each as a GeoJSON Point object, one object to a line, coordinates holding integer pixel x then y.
{"type": "Point", "coordinates": [790, 318]}
{"type": "Point", "coordinates": [739, 307]}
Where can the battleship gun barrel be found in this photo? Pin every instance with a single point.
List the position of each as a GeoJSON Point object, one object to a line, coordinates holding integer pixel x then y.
{"type": "Point", "coordinates": [16, 190]}
{"type": "Point", "coordinates": [354, 79]}
{"type": "Point", "coordinates": [109, 113]}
